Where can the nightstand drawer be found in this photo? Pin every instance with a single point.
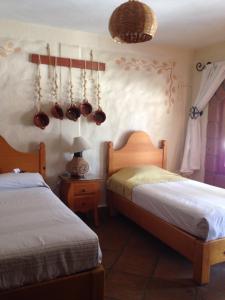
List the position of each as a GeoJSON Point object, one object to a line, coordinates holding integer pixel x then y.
{"type": "Point", "coordinates": [85, 188]}
{"type": "Point", "coordinates": [84, 204]}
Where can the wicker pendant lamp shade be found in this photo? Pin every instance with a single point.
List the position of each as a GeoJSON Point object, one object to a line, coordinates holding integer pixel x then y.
{"type": "Point", "coordinates": [132, 22]}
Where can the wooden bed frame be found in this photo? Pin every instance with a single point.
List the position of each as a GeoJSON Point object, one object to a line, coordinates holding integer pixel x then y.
{"type": "Point", "coordinates": [140, 150]}
{"type": "Point", "coordinates": [87, 285]}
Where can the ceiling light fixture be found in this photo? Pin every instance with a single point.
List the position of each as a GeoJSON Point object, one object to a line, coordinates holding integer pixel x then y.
{"type": "Point", "coordinates": [132, 22]}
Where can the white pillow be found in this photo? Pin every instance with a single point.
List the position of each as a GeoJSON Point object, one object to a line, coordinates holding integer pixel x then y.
{"type": "Point", "coordinates": [21, 180]}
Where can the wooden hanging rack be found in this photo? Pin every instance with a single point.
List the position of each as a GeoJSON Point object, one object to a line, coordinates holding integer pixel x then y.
{"type": "Point", "coordinates": [65, 62]}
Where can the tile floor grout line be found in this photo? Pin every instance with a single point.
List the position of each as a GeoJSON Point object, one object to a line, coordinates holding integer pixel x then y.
{"type": "Point", "coordinates": [197, 293]}
{"type": "Point", "coordinates": [155, 284]}
{"type": "Point", "coordinates": [119, 255]}
{"type": "Point", "coordinates": [150, 277]}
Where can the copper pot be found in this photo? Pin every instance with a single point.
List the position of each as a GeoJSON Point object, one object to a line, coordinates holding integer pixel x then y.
{"type": "Point", "coordinates": [99, 116]}
{"type": "Point", "coordinates": [57, 111]}
{"type": "Point", "coordinates": [73, 112]}
{"type": "Point", "coordinates": [41, 120]}
{"type": "Point", "coordinates": [85, 108]}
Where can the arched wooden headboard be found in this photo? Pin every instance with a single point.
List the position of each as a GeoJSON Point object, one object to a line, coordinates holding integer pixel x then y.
{"type": "Point", "coordinates": [28, 162]}
{"type": "Point", "coordinates": [139, 150]}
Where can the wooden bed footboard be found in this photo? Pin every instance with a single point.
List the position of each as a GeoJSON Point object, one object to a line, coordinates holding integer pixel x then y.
{"type": "Point", "coordinates": [202, 254]}
{"type": "Point", "coordinates": [88, 285]}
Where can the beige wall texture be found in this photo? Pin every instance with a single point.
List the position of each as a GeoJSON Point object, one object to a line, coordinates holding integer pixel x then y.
{"type": "Point", "coordinates": [145, 87]}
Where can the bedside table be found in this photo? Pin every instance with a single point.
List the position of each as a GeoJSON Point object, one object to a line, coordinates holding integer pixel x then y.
{"type": "Point", "coordinates": [81, 195]}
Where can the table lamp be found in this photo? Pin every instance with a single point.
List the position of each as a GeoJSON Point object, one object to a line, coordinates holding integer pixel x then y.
{"type": "Point", "coordinates": [78, 167]}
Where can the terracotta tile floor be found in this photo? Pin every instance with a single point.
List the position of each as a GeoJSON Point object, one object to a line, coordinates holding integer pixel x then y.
{"type": "Point", "coordinates": [140, 267]}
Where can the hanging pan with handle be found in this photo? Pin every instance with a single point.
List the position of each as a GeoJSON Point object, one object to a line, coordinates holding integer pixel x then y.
{"type": "Point", "coordinates": [40, 119]}
{"type": "Point", "coordinates": [85, 106]}
{"type": "Point", "coordinates": [56, 110]}
{"type": "Point", "coordinates": [98, 115]}
{"type": "Point", "coordinates": [73, 111]}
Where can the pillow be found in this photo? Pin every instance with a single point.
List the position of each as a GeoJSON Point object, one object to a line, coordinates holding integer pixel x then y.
{"type": "Point", "coordinates": [21, 180]}
{"type": "Point", "coordinates": [124, 180]}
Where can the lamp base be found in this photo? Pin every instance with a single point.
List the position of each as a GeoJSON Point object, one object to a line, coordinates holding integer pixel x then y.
{"type": "Point", "coordinates": [78, 167]}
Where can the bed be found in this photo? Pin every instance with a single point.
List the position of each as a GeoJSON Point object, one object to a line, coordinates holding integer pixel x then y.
{"type": "Point", "coordinates": [41, 256]}
{"type": "Point", "coordinates": [138, 151]}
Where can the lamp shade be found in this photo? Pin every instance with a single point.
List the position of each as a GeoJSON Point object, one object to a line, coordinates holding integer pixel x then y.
{"type": "Point", "coordinates": [80, 144]}
{"type": "Point", "coordinates": [132, 22]}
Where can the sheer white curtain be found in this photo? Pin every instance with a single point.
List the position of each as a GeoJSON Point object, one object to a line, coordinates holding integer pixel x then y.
{"type": "Point", "coordinates": [212, 76]}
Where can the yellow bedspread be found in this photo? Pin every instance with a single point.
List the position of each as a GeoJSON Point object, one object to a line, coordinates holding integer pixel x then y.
{"type": "Point", "coordinates": [123, 181]}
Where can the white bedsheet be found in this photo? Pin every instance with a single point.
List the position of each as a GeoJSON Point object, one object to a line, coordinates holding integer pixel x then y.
{"type": "Point", "coordinates": [41, 239]}
{"type": "Point", "coordinates": [195, 207]}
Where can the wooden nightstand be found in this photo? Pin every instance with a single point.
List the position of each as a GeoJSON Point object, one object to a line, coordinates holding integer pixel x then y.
{"type": "Point", "coordinates": [81, 195]}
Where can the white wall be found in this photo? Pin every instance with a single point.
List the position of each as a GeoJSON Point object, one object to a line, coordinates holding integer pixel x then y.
{"type": "Point", "coordinates": [133, 98]}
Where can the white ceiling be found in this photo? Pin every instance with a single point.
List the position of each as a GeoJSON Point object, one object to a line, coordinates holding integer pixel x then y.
{"type": "Point", "coordinates": [188, 23]}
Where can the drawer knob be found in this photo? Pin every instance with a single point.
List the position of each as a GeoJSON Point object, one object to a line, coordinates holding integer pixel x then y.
{"type": "Point", "coordinates": [83, 203]}
{"type": "Point", "coordinates": [83, 190]}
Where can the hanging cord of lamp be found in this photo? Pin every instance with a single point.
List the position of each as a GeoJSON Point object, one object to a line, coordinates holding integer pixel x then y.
{"type": "Point", "coordinates": [132, 22]}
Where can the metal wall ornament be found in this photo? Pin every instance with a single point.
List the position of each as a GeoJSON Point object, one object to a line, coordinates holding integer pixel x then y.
{"type": "Point", "coordinates": [200, 66]}
{"type": "Point", "coordinates": [195, 113]}
{"type": "Point", "coordinates": [40, 119]}
{"type": "Point", "coordinates": [132, 22]}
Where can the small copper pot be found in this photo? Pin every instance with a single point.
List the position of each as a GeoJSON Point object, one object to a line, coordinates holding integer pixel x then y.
{"type": "Point", "coordinates": [99, 116]}
{"type": "Point", "coordinates": [85, 108]}
{"type": "Point", "coordinates": [41, 120]}
{"type": "Point", "coordinates": [73, 112]}
{"type": "Point", "coordinates": [57, 111]}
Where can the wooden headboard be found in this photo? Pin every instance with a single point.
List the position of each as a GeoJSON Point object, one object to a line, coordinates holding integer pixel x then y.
{"type": "Point", "coordinates": [138, 150]}
{"type": "Point", "coordinates": [29, 162]}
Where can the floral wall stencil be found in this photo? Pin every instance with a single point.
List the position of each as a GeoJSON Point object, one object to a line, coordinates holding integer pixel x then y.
{"type": "Point", "coordinates": [8, 48]}
{"type": "Point", "coordinates": [161, 68]}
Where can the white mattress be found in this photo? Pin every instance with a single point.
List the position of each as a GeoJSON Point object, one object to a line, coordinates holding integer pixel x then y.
{"type": "Point", "coordinates": [195, 207]}
{"type": "Point", "coordinates": [41, 239]}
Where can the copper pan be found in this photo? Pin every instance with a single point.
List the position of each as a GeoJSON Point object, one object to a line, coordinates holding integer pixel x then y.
{"type": "Point", "coordinates": [41, 120]}
{"type": "Point", "coordinates": [85, 108]}
{"type": "Point", "coordinates": [57, 111]}
{"type": "Point", "coordinates": [73, 112]}
{"type": "Point", "coordinates": [99, 116]}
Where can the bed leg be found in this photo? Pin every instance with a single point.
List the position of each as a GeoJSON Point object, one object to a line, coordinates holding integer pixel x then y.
{"type": "Point", "coordinates": [112, 210]}
{"type": "Point", "coordinates": [98, 284]}
{"type": "Point", "coordinates": [201, 264]}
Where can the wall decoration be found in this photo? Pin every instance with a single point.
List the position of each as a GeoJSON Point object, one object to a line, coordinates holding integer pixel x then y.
{"type": "Point", "coordinates": [67, 62]}
{"type": "Point", "coordinates": [75, 110]}
{"type": "Point", "coordinates": [40, 119]}
{"type": "Point", "coordinates": [160, 68]}
{"type": "Point", "coordinates": [8, 48]}
{"type": "Point", "coordinates": [56, 110]}
{"type": "Point", "coordinates": [85, 106]}
{"type": "Point", "coordinates": [98, 116]}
